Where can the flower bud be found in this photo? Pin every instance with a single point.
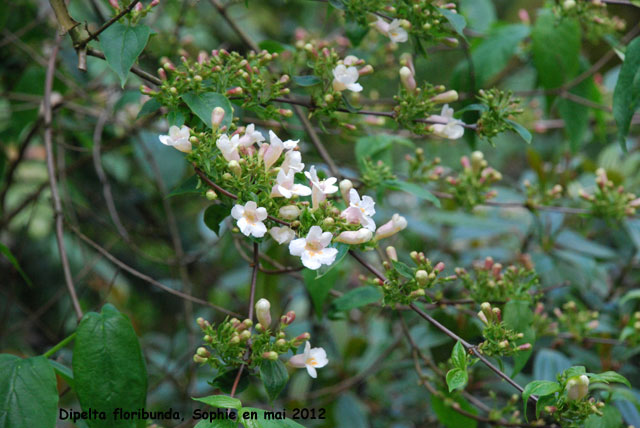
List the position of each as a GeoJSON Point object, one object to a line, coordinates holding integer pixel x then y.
{"type": "Point", "coordinates": [422, 277]}
{"type": "Point", "coordinates": [114, 4]}
{"type": "Point", "coordinates": [439, 267]}
{"type": "Point", "coordinates": [288, 318]}
{"type": "Point", "coordinates": [235, 168]}
{"type": "Point", "coordinates": [355, 237]}
{"type": "Point", "coordinates": [391, 253]}
{"type": "Point", "coordinates": [271, 355]}
{"type": "Point", "coordinates": [417, 293]}
{"type": "Point", "coordinates": [445, 97]}
{"type": "Point", "coordinates": [393, 226]}
{"type": "Point", "coordinates": [235, 91]}
{"type": "Point", "coordinates": [211, 195]}
{"type": "Point", "coordinates": [289, 212]}
{"type": "Point", "coordinates": [198, 359]}
{"type": "Point", "coordinates": [201, 322]}
{"type": "Point", "coordinates": [524, 347]}
{"type": "Point", "coordinates": [202, 351]}
{"type": "Point", "coordinates": [367, 69]}
{"type": "Point", "coordinates": [263, 313]}
{"type": "Point", "coordinates": [345, 186]}
{"type": "Point", "coordinates": [577, 387]}
{"type": "Point", "coordinates": [217, 115]}
{"type": "Point", "coordinates": [407, 79]}
{"type": "Point", "coordinates": [301, 339]}
{"type": "Point", "coordinates": [245, 335]}
{"type": "Point", "coordinates": [285, 112]}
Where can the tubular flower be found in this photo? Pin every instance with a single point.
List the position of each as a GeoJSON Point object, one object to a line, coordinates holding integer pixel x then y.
{"type": "Point", "coordinates": [263, 312]}
{"type": "Point", "coordinates": [251, 136]}
{"type": "Point", "coordinates": [345, 78]}
{"type": "Point", "coordinates": [320, 188]}
{"type": "Point", "coordinates": [393, 226]}
{"type": "Point", "coordinates": [355, 237]}
{"type": "Point", "coordinates": [393, 30]}
{"type": "Point", "coordinates": [360, 210]}
{"type": "Point", "coordinates": [177, 138]}
{"type": "Point", "coordinates": [249, 218]}
{"type": "Point", "coordinates": [577, 387]}
{"type": "Point", "coordinates": [314, 250]}
{"type": "Point", "coordinates": [229, 147]}
{"type": "Point", "coordinates": [292, 162]}
{"type": "Point", "coordinates": [311, 358]}
{"type": "Point", "coordinates": [450, 128]}
{"type": "Point", "coordinates": [282, 235]}
{"type": "Point", "coordinates": [286, 188]}
{"type": "Point", "coordinates": [271, 152]}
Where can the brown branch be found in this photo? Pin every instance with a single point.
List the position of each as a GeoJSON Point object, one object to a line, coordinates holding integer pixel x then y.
{"type": "Point", "coordinates": [109, 23]}
{"type": "Point", "coordinates": [239, 31]}
{"type": "Point", "coordinates": [135, 70]}
{"type": "Point", "coordinates": [147, 278]}
{"type": "Point", "coordinates": [55, 196]}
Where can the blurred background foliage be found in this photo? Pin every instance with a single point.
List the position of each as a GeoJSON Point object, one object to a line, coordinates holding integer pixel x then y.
{"type": "Point", "coordinates": [587, 260]}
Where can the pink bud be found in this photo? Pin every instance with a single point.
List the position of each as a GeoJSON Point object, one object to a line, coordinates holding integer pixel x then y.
{"type": "Point", "coordinates": [488, 263]}
{"type": "Point", "coordinates": [439, 267]}
{"type": "Point", "coordinates": [138, 7]}
{"type": "Point", "coordinates": [202, 57]}
{"type": "Point", "coordinates": [217, 115]}
{"type": "Point", "coordinates": [114, 4]}
{"type": "Point", "coordinates": [407, 79]}
{"type": "Point", "coordinates": [367, 69]}
{"type": "Point", "coordinates": [524, 347]}
{"type": "Point", "coordinates": [154, 3]}
{"type": "Point", "coordinates": [464, 161]}
{"type": "Point", "coordinates": [162, 74]}
{"type": "Point", "coordinates": [235, 91]}
{"type": "Point", "coordinates": [288, 318]}
{"type": "Point", "coordinates": [524, 16]}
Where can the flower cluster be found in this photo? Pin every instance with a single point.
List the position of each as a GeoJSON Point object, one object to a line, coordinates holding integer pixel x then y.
{"type": "Point", "coordinates": [138, 12]}
{"type": "Point", "coordinates": [471, 186]}
{"type": "Point", "coordinates": [578, 322]}
{"type": "Point", "coordinates": [406, 284]}
{"type": "Point", "coordinates": [492, 282]}
{"type": "Point", "coordinates": [497, 111]}
{"type": "Point", "coordinates": [499, 339]}
{"type": "Point", "coordinates": [276, 201]}
{"type": "Point", "coordinates": [244, 78]}
{"type": "Point", "coordinates": [592, 15]}
{"type": "Point", "coordinates": [416, 108]}
{"type": "Point", "coordinates": [609, 201]}
{"type": "Point", "coordinates": [233, 343]}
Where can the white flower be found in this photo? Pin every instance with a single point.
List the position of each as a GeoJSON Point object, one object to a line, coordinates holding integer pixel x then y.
{"type": "Point", "coordinates": [314, 249]}
{"type": "Point", "coordinates": [286, 188]}
{"type": "Point", "coordinates": [251, 136]}
{"type": "Point", "coordinates": [393, 30]}
{"type": "Point", "coordinates": [292, 162]}
{"type": "Point", "coordinates": [289, 212]}
{"type": "Point", "coordinates": [282, 235]}
{"type": "Point", "coordinates": [311, 358]}
{"type": "Point", "coordinates": [271, 152]}
{"type": "Point", "coordinates": [393, 226]}
{"type": "Point", "coordinates": [229, 147]}
{"type": "Point", "coordinates": [345, 78]}
{"type": "Point", "coordinates": [250, 218]}
{"type": "Point", "coordinates": [578, 387]}
{"type": "Point", "coordinates": [355, 237]}
{"type": "Point", "coordinates": [177, 138]}
{"type": "Point", "coordinates": [360, 210]}
{"type": "Point", "coordinates": [263, 313]}
{"type": "Point", "coordinates": [449, 127]}
{"type": "Point", "coordinates": [320, 188]}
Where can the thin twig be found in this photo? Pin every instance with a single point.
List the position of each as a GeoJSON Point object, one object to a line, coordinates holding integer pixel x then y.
{"type": "Point", "coordinates": [107, 24]}
{"type": "Point", "coordinates": [55, 196]}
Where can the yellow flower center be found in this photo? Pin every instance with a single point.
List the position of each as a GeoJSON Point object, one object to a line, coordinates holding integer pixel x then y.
{"type": "Point", "coordinates": [311, 362]}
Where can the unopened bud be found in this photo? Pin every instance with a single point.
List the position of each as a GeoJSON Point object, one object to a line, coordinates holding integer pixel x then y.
{"type": "Point", "coordinates": [288, 318]}
{"type": "Point", "coordinates": [391, 253]}
{"type": "Point", "coordinates": [203, 352]}
{"type": "Point", "coordinates": [407, 79]}
{"type": "Point", "coordinates": [345, 187]}
{"type": "Point", "coordinates": [289, 212]}
{"type": "Point", "coordinates": [445, 97]}
{"type": "Point", "coordinates": [271, 355]}
{"type": "Point", "coordinates": [211, 195]}
{"type": "Point", "coordinates": [235, 91]}
{"type": "Point", "coordinates": [422, 277]}
{"type": "Point", "coordinates": [263, 312]}
{"type": "Point", "coordinates": [217, 115]}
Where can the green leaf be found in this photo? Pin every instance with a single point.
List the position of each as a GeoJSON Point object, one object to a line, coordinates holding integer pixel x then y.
{"type": "Point", "coordinates": [28, 392]}
{"type": "Point", "coordinates": [480, 14]}
{"type": "Point", "coordinates": [457, 379]}
{"type": "Point", "coordinates": [416, 190]}
{"type": "Point", "coordinates": [122, 44]}
{"type": "Point", "coordinates": [355, 32]}
{"type": "Point", "coordinates": [459, 356]}
{"type": "Point", "coordinates": [520, 130]}
{"type": "Point", "coordinates": [608, 377]}
{"type": "Point", "coordinates": [518, 316]}
{"type": "Point", "coordinates": [403, 269]}
{"type": "Point", "coordinates": [217, 423]}
{"type": "Point", "coordinates": [108, 366]}
{"type": "Point", "coordinates": [220, 401]}
{"type": "Point", "coordinates": [490, 56]}
{"type": "Point", "coordinates": [14, 262]}
{"type": "Point", "coordinates": [611, 418]}
{"type": "Point", "coordinates": [225, 381]}
{"type": "Point", "coordinates": [175, 118]}
{"type": "Point", "coordinates": [190, 185]}
{"type": "Point", "coordinates": [274, 376]}
{"type": "Point", "coordinates": [149, 107]}
{"type": "Point", "coordinates": [63, 371]}
{"type": "Point", "coordinates": [375, 147]}
{"type": "Point", "coordinates": [214, 215]}
{"type": "Point", "coordinates": [633, 294]}
{"type": "Point", "coordinates": [273, 46]}
{"type": "Point", "coordinates": [575, 371]}
{"type": "Point", "coordinates": [449, 417]}
{"type": "Point", "coordinates": [306, 80]}
{"type": "Point", "coordinates": [203, 104]}
{"type": "Point", "coordinates": [319, 288]}
{"type": "Point", "coordinates": [264, 422]}
{"type": "Point", "coordinates": [540, 388]}
{"type": "Point", "coordinates": [626, 96]}
{"type": "Point", "coordinates": [456, 20]}
{"type": "Point", "coordinates": [349, 413]}
{"type": "Point", "coordinates": [556, 49]}
{"type": "Point", "coordinates": [356, 298]}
